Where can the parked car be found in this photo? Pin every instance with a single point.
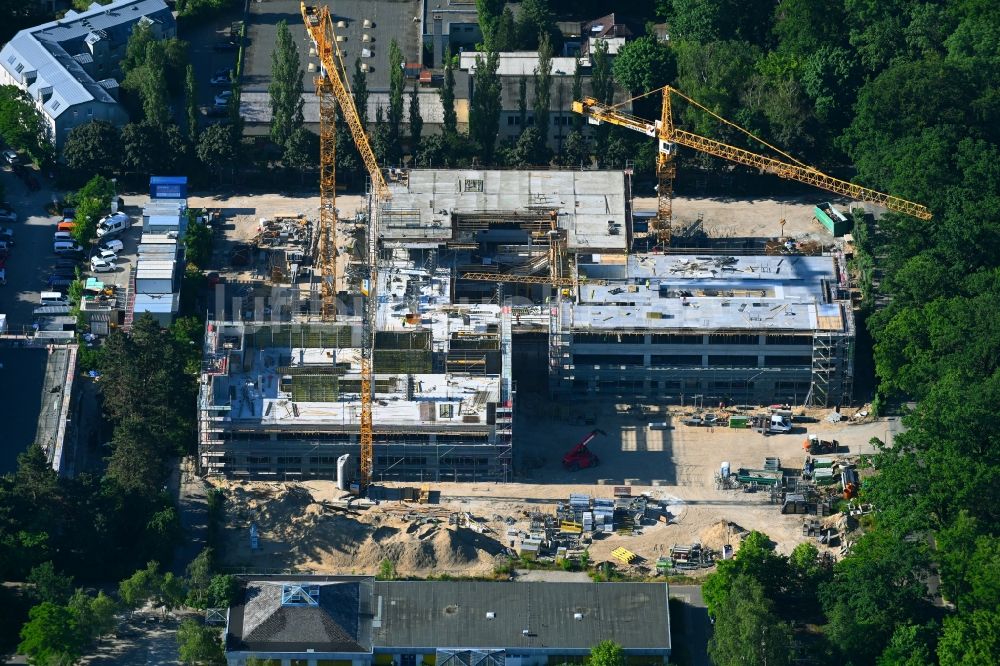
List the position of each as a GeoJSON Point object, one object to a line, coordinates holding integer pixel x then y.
{"type": "Point", "coordinates": [115, 246]}
{"type": "Point", "coordinates": [106, 255]}
{"type": "Point", "coordinates": [222, 99]}
{"type": "Point", "coordinates": [65, 263]}
{"type": "Point", "coordinates": [62, 273]}
{"type": "Point", "coordinates": [66, 225]}
{"type": "Point", "coordinates": [222, 77]}
{"type": "Point", "coordinates": [27, 176]}
{"type": "Point", "coordinates": [67, 247]}
{"type": "Point", "coordinates": [59, 282]}
{"type": "Point", "coordinates": [62, 236]}
{"type": "Point", "coordinates": [3, 277]}
{"type": "Point", "coordinates": [7, 236]}
{"type": "Point", "coordinates": [100, 265]}
{"type": "Point", "coordinates": [4, 250]}
{"type": "Point", "coordinates": [7, 215]}
{"type": "Point", "coordinates": [53, 298]}
{"type": "Point", "coordinates": [10, 157]}
{"type": "Point", "coordinates": [113, 224]}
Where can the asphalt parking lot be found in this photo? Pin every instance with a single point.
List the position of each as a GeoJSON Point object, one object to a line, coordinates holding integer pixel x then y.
{"type": "Point", "coordinates": [31, 259]}
{"type": "Point", "coordinates": [205, 59]}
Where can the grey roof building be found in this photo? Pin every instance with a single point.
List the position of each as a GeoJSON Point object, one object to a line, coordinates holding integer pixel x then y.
{"type": "Point", "coordinates": [70, 66]}
{"type": "Point", "coordinates": [319, 618]}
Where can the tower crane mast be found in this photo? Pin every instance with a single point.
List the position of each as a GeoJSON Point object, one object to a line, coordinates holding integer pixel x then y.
{"type": "Point", "coordinates": [333, 80]}
{"type": "Point", "coordinates": [670, 136]}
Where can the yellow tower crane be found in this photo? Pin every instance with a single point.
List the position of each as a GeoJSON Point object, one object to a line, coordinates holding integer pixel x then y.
{"type": "Point", "coordinates": [670, 136]}
{"type": "Point", "coordinates": [332, 85]}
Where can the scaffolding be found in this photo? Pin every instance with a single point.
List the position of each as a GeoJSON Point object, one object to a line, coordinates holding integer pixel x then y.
{"type": "Point", "coordinates": [282, 401]}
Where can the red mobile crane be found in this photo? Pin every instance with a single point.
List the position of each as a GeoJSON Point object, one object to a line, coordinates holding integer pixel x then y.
{"type": "Point", "coordinates": [580, 457]}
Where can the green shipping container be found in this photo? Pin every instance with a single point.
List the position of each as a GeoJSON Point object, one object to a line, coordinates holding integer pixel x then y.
{"type": "Point", "coordinates": [831, 218]}
{"type": "Point", "coordinates": [739, 421]}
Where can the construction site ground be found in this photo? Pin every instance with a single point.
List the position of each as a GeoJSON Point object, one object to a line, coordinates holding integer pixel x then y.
{"type": "Point", "coordinates": [302, 528]}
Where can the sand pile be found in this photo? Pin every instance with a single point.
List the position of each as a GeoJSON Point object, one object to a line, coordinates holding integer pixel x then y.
{"type": "Point", "coordinates": [720, 534]}
{"type": "Point", "coordinates": [297, 532]}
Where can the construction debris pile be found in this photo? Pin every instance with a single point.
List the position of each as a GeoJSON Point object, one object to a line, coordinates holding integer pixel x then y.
{"type": "Point", "coordinates": [284, 242]}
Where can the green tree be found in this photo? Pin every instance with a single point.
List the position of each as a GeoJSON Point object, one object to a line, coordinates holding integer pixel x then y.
{"type": "Point", "coordinates": [21, 123]}
{"type": "Point", "coordinates": [601, 84]}
{"type": "Point", "coordinates": [134, 466]}
{"type": "Point", "coordinates": [607, 653]}
{"type": "Point", "coordinates": [93, 148]}
{"type": "Point", "coordinates": [199, 577]}
{"type": "Point", "coordinates": [49, 585]}
{"type": "Point", "coordinates": [141, 586]}
{"type": "Point", "coordinates": [223, 591]}
{"type": "Point", "coordinates": [450, 120]}
{"type": "Point", "coordinates": [484, 112]}
{"type": "Point", "coordinates": [199, 644]}
{"type": "Point", "coordinates": [644, 64]}
{"type": "Point", "coordinates": [416, 121]}
{"type": "Point", "coordinates": [218, 148]}
{"type": "Point", "coordinates": [907, 647]}
{"type": "Point", "coordinates": [198, 243]}
{"type": "Point", "coordinates": [488, 13]}
{"type": "Point", "coordinates": [191, 102]}
{"type": "Point", "coordinates": [803, 27]}
{"type": "Point", "coordinates": [285, 89]}
{"type": "Point", "coordinates": [51, 636]}
{"type": "Point", "coordinates": [543, 89]}
{"type": "Point", "coordinates": [88, 211]}
{"type": "Point", "coordinates": [756, 561]}
{"type": "Point", "coordinates": [746, 630]}
{"type": "Point", "coordinates": [877, 589]}
{"type": "Point", "coordinates": [302, 150]}
{"type": "Point", "coordinates": [386, 570]}
{"type": "Point", "coordinates": [505, 36]}
{"type": "Point", "coordinates": [380, 137]}
{"type": "Point", "coordinates": [95, 616]}
{"type": "Point", "coordinates": [359, 88]}
{"type": "Point", "coordinates": [970, 639]}
{"type": "Point", "coordinates": [534, 20]}
{"type": "Point", "coordinates": [395, 117]}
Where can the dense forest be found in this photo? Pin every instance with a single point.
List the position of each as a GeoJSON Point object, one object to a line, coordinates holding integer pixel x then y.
{"type": "Point", "coordinates": [907, 92]}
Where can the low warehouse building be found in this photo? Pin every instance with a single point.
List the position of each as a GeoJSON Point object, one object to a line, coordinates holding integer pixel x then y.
{"type": "Point", "coordinates": [357, 620]}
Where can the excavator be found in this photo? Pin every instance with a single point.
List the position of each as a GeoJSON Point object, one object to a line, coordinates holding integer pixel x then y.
{"type": "Point", "coordinates": [580, 457]}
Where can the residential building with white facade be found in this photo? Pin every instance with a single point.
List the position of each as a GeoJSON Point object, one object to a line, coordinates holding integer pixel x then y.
{"type": "Point", "coordinates": [71, 66]}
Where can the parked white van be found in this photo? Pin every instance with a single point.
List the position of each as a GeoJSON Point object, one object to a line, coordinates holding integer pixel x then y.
{"type": "Point", "coordinates": [53, 298]}
{"type": "Point", "coordinates": [113, 224]}
{"type": "Point", "coordinates": [66, 247]}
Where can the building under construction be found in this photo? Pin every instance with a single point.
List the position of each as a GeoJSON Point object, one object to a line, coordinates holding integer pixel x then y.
{"type": "Point", "coordinates": [668, 327]}
{"type": "Point", "coordinates": [283, 400]}
{"type": "Point", "coordinates": [682, 329]}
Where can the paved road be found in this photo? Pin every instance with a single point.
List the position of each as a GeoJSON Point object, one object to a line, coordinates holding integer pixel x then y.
{"type": "Point", "coordinates": [692, 629]}
{"type": "Point", "coordinates": [192, 502]}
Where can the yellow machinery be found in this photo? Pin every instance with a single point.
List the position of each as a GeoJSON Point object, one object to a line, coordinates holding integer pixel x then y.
{"type": "Point", "coordinates": [332, 86]}
{"type": "Point", "coordinates": [670, 137]}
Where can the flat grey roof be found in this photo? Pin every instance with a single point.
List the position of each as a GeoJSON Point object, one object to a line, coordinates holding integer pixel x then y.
{"type": "Point", "coordinates": [587, 201]}
{"type": "Point", "coordinates": [717, 292]}
{"type": "Point", "coordinates": [453, 615]}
